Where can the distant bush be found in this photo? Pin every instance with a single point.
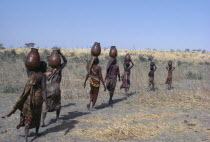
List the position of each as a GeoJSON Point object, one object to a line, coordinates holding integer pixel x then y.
{"type": "Point", "coordinates": [179, 63]}
{"type": "Point", "coordinates": [156, 61]}
{"type": "Point", "coordinates": [107, 57]}
{"type": "Point", "coordinates": [1, 46]}
{"type": "Point", "coordinates": [84, 56]}
{"type": "Point", "coordinates": [11, 56]}
{"type": "Point", "coordinates": [142, 58]}
{"type": "Point", "coordinates": [150, 57]}
{"type": "Point", "coordinates": [190, 64]}
{"type": "Point", "coordinates": [204, 51]}
{"type": "Point", "coordinates": [202, 63]}
{"type": "Point", "coordinates": [194, 76]}
{"type": "Point", "coordinates": [121, 59]}
{"type": "Point", "coordinates": [74, 60]}
{"type": "Point", "coordinates": [79, 59]}
{"type": "Point", "coordinates": [56, 47]}
{"type": "Point", "coordinates": [207, 63]}
{"type": "Point", "coordinates": [29, 45]}
{"type": "Point", "coordinates": [44, 54]}
{"type": "Point", "coordinates": [72, 54]}
{"type": "Point", "coordinates": [187, 50]}
{"type": "Point", "coordinates": [105, 48]}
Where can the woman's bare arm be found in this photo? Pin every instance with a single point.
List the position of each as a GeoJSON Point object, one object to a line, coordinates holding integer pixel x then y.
{"type": "Point", "coordinates": [43, 84]}
{"type": "Point", "coordinates": [131, 65]}
{"type": "Point", "coordinates": [118, 73]}
{"type": "Point", "coordinates": [101, 78]}
{"type": "Point", "coordinates": [86, 78]}
{"type": "Point", "coordinates": [64, 60]}
{"type": "Point", "coordinates": [173, 68]}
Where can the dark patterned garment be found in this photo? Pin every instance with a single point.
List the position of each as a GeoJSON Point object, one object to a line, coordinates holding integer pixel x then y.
{"type": "Point", "coordinates": [151, 78]}
{"type": "Point", "coordinates": [53, 91]}
{"type": "Point", "coordinates": [111, 84]}
{"type": "Point", "coordinates": [30, 103]}
{"type": "Point", "coordinates": [125, 80]}
{"type": "Point", "coordinates": [169, 78]}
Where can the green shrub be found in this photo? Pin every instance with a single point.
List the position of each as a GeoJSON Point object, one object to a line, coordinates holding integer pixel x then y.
{"type": "Point", "coordinates": [156, 61]}
{"type": "Point", "coordinates": [204, 51]}
{"type": "Point", "coordinates": [207, 63]}
{"type": "Point", "coordinates": [202, 63]}
{"type": "Point", "coordinates": [56, 47]}
{"type": "Point", "coordinates": [142, 58]}
{"type": "Point", "coordinates": [179, 63]}
{"type": "Point", "coordinates": [150, 57]}
{"type": "Point", "coordinates": [2, 48]}
{"type": "Point", "coordinates": [72, 54]}
{"type": "Point", "coordinates": [194, 76]}
{"type": "Point", "coordinates": [44, 55]}
{"type": "Point", "coordinates": [107, 57]}
{"type": "Point", "coordinates": [190, 64]}
{"type": "Point", "coordinates": [11, 56]}
{"type": "Point", "coordinates": [120, 59]}
{"type": "Point", "coordinates": [77, 59]}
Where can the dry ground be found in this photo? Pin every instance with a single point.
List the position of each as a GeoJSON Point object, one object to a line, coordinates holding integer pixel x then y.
{"type": "Point", "coordinates": [181, 114]}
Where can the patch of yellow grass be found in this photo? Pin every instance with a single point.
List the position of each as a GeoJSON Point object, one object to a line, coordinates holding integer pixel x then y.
{"type": "Point", "coordinates": [123, 131]}
{"type": "Point", "coordinates": [192, 56]}
{"type": "Point", "coordinates": [123, 127]}
{"type": "Point", "coordinates": [127, 127]}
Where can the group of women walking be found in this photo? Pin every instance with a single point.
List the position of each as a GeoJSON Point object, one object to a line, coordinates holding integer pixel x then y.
{"type": "Point", "coordinates": [42, 93]}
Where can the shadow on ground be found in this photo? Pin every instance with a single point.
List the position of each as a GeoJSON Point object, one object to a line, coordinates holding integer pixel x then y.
{"type": "Point", "coordinates": [70, 104]}
{"type": "Point", "coordinates": [104, 105]}
{"type": "Point", "coordinates": [70, 115]}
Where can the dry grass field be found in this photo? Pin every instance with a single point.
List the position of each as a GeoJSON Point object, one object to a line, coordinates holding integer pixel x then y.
{"type": "Point", "coordinates": [180, 114]}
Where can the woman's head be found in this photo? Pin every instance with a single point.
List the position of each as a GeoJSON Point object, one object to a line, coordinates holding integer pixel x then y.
{"type": "Point", "coordinates": [43, 66]}
{"type": "Point", "coordinates": [96, 61]}
{"type": "Point", "coordinates": [169, 63]}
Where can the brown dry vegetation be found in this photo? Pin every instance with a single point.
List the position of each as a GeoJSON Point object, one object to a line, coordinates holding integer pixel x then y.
{"type": "Point", "coordinates": [142, 114]}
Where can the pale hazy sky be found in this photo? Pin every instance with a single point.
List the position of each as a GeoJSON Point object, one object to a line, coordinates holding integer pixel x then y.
{"type": "Point", "coordinates": [157, 24]}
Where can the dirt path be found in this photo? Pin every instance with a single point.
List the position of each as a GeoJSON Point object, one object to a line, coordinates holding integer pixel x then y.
{"type": "Point", "coordinates": [131, 118]}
